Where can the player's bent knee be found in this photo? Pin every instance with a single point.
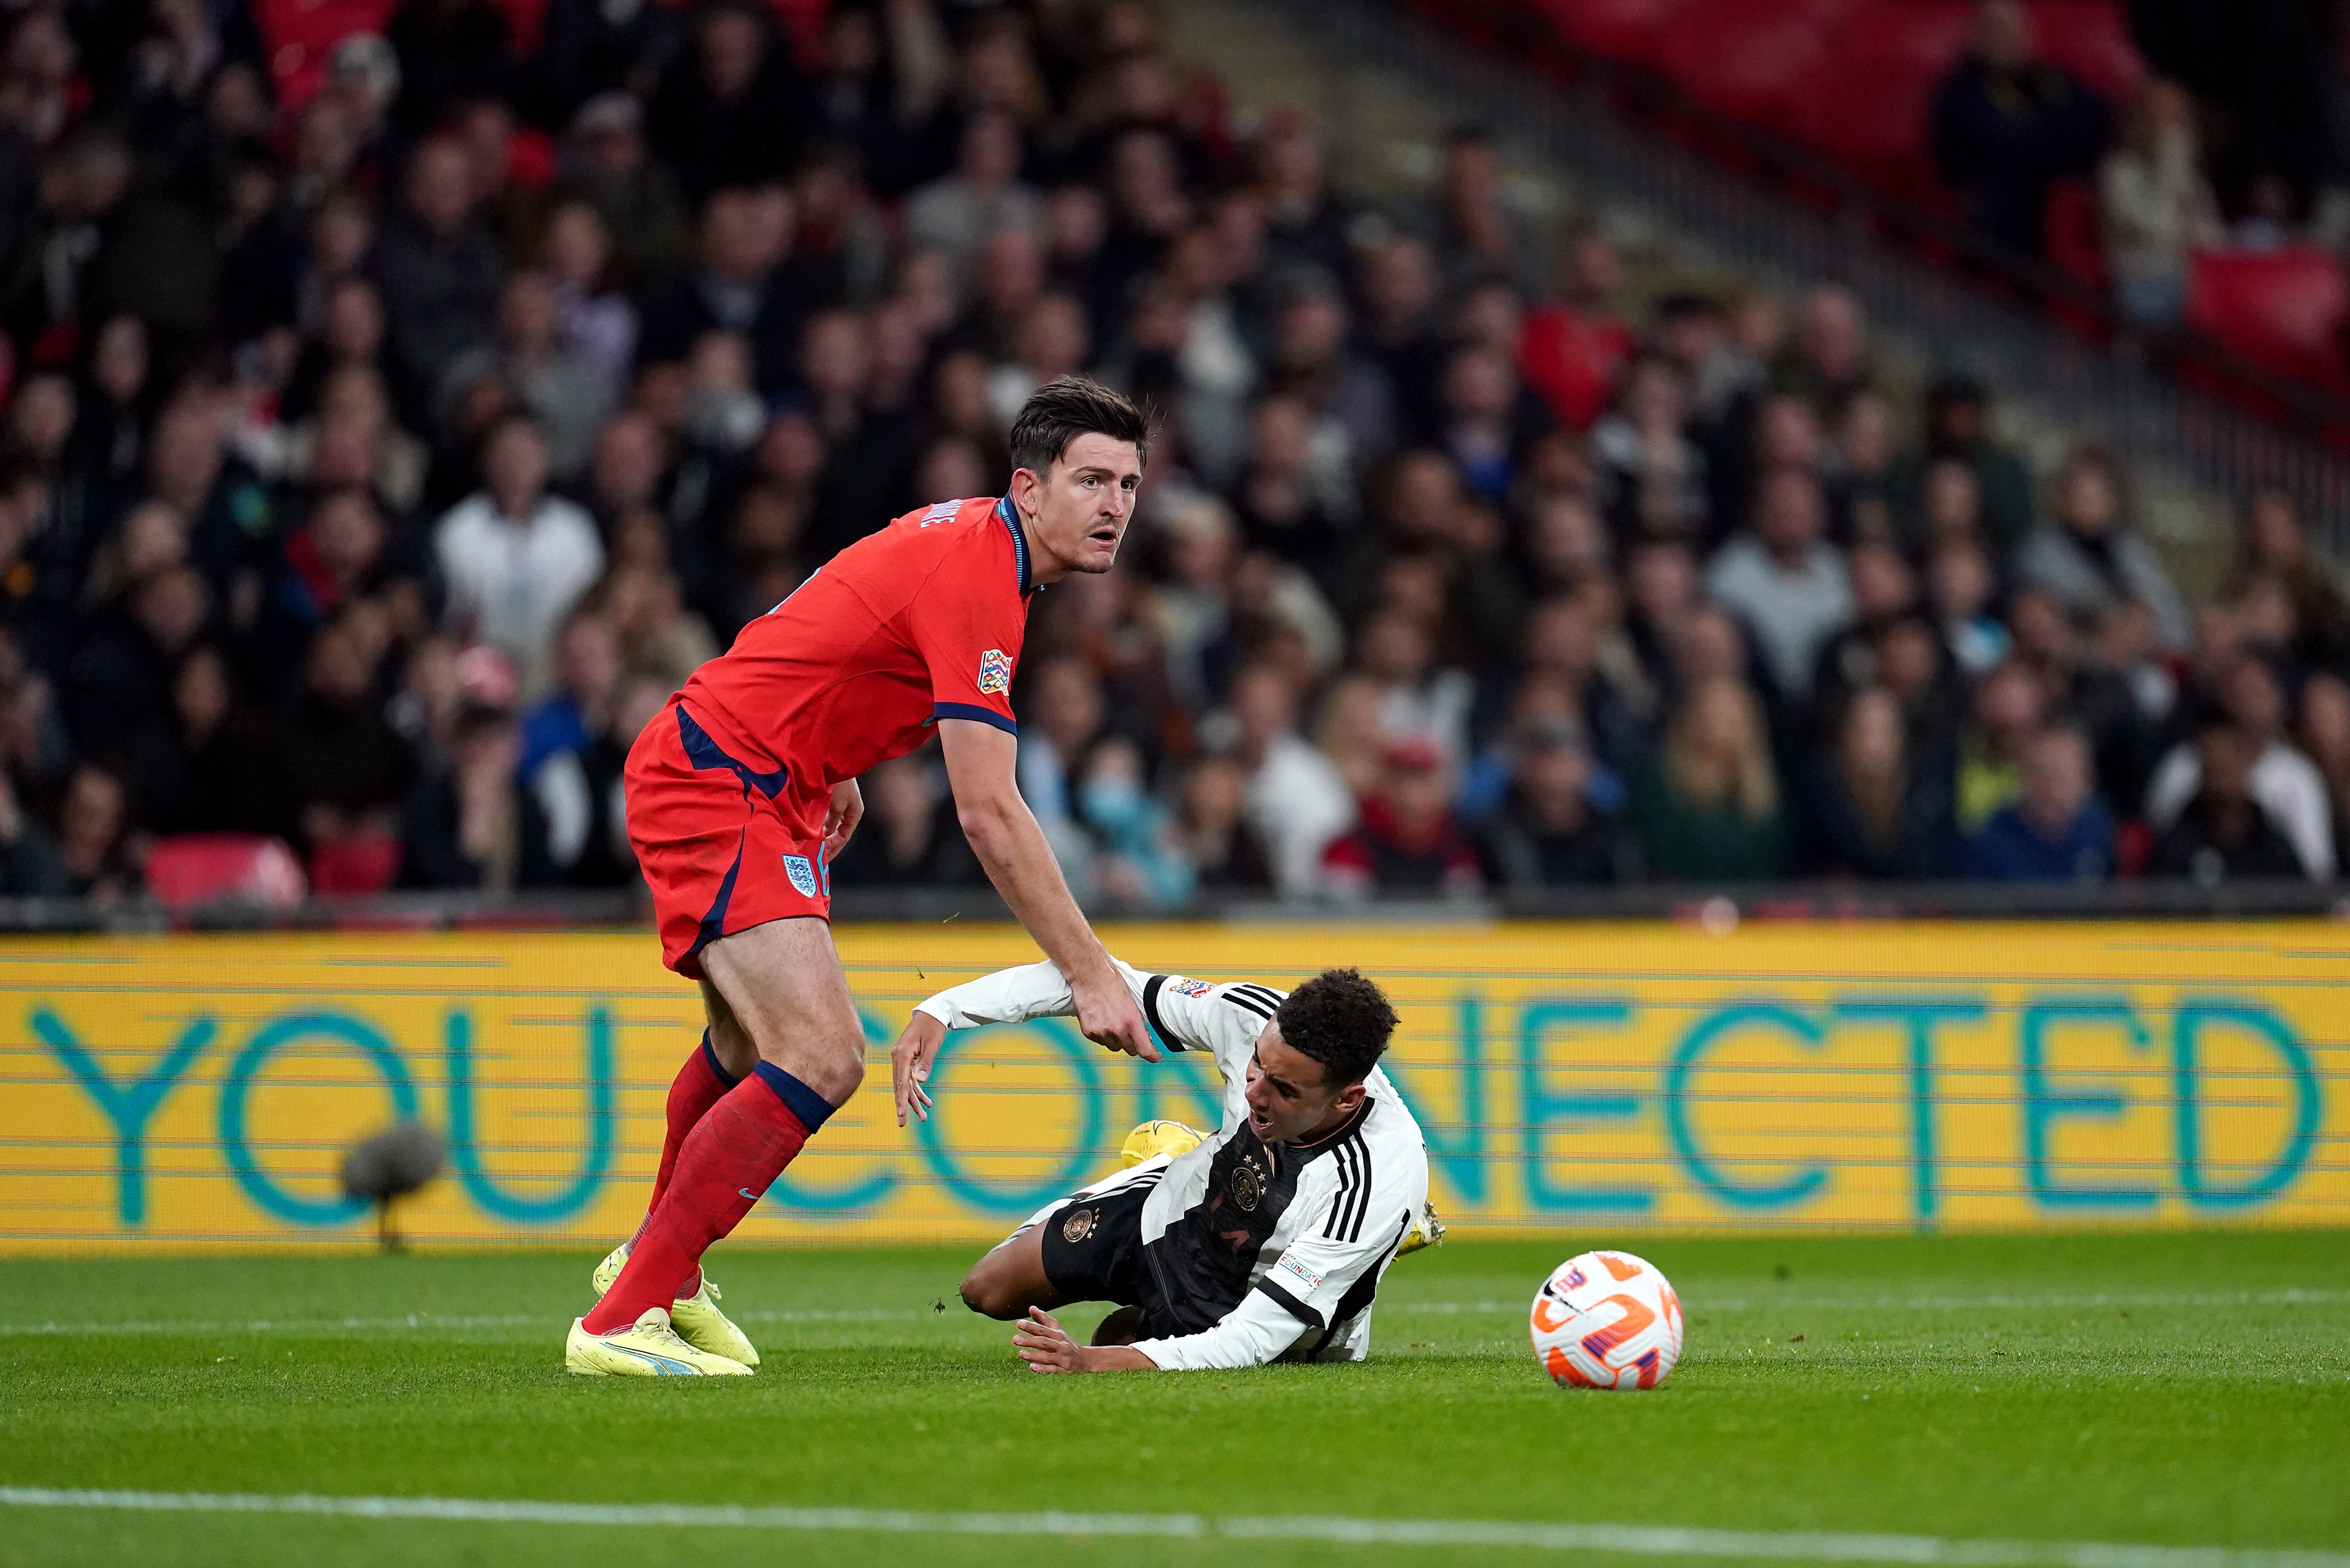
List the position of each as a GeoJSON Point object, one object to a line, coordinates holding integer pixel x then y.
{"type": "Point", "coordinates": [982, 1296]}
{"type": "Point", "coordinates": [992, 1293]}
{"type": "Point", "coordinates": [834, 1065]}
{"type": "Point", "coordinates": [839, 1070]}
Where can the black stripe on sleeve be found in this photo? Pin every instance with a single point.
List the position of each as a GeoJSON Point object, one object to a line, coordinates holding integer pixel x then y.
{"type": "Point", "coordinates": [1358, 1190]}
{"type": "Point", "coordinates": [1291, 1304]}
{"type": "Point", "coordinates": [1247, 1003]}
{"type": "Point", "coordinates": [1264, 994]}
{"type": "Point", "coordinates": [1150, 1011]}
{"type": "Point", "coordinates": [1342, 1201]}
{"type": "Point", "coordinates": [1338, 1199]}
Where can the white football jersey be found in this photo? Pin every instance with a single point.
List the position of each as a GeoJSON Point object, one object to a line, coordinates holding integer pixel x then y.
{"type": "Point", "coordinates": [1309, 1228]}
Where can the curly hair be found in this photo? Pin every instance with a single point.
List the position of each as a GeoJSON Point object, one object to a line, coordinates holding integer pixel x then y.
{"type": "Point", "coordinates": [1342, 1020]}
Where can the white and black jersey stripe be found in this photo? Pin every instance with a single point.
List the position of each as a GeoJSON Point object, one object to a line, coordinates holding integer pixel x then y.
{"type": "Point", "coordinates": [1263, 1000]}
{"type": "Point", "coordinates": [1353, 1157]}
{"type": "Point", "coordinates": [1235, 1217]}
{"type": "Point", "coordinates": [1315, 1200]}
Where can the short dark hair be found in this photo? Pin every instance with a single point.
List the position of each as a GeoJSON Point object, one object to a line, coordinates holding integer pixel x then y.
{"type": "Point", "coordinates": [1340, 1019]}
{"type": "Point", "coordinates": [1065, 408]}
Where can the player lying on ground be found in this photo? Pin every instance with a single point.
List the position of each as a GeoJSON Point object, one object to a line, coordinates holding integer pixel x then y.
{"type": "Point", "coordinates": [1267, 1240]}
{"type": "Point", "coordinates": [740, 795]}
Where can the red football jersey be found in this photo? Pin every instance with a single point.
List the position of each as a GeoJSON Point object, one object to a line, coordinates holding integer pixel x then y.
{"type": "Point", "coordinates": [919, 622]}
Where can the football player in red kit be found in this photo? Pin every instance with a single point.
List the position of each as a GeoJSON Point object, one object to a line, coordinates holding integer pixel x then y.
{"type": "Point", "coordinates": [742, 791]}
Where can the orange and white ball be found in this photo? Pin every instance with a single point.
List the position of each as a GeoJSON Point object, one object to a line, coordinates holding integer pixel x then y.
{"type": "Point", "coordinates": [1606, 1320]}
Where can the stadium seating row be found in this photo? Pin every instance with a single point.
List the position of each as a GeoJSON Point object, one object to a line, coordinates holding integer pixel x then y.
{"type": "Point", "coordinates": [1854, 81]}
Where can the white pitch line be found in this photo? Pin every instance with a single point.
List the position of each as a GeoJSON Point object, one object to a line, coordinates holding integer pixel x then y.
{"type": "Point", "coordinates": [1645, 1541]}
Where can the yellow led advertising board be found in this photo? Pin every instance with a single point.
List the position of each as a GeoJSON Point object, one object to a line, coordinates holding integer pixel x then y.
{"type": "Point", "coordinates": [199, 1091]}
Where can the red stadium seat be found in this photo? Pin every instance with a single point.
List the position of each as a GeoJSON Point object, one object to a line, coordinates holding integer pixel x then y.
{"type": "Point", "coordinates": [1627, 30]}
{"type": "Point", "coordinates": [526, 19]}
{"type": "Point", "coordinates": [2076, 246]}
{"type": "Point", "coordinates": [2077, 240]}
{"type": "Point", "coordinates": [1926, 36]}
{"type": "Point", "coordinates": [194, 868]}
{"type": "Point", "coordinates": [1869, 108]}
{"type": "Point", "coordinates": [359, 867]}
{"type": "Point", "coordinates": [298, 35]}
{"type": "Point", "coordinates": [1753, 63]}
{"type": "Point", "coordinates": [2281, 310]}
{"type": "Point", "coordinates": [2091, 39]}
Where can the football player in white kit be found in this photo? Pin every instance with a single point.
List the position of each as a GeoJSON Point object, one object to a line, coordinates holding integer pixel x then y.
{"type": "Point", "coordinates": [1264, 1243]}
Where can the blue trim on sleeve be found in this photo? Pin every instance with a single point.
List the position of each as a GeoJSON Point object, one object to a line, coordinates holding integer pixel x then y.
{"type": "Point", "coordinates": [803, 1102]}
{"type": "Point", "coordinates": [1019, 542]}
{"type": "Point", "coordinates": [974, 712]}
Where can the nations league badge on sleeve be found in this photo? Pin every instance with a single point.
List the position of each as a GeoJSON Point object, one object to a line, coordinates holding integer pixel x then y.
{"type": "Point", "coordinates": [994, 673]}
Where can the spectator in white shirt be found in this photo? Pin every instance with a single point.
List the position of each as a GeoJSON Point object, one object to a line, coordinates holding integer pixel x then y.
{"type": "Point", "coordinates": [1417, 696]}
{"type": "Point", "coordinates": [955, 214]}
{"type": "Point", "coordinates": [2284, 783]}
{"type": "Point", "coordinates": [1783, 581]}
{"type": "Point", "coordinates": [1297, 799]}
{"type": "Point", "coordinates": [514, 557]}
{"type": "Point", "coordinates": [2156, 206]}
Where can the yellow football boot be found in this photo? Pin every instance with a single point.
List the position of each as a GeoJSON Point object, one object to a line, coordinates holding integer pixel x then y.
{"type": "Point", "coordinates": [1426, 1230]}
{"type": "Point", "coordinates": [648, 1347]}
{"type": "Point", "coordinates": [1150, 1139]}
{"type": "Point", "coordinates": [696, 1317]}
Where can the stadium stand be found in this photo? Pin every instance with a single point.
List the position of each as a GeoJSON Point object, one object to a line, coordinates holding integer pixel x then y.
{"type": "Point", "coordinates": [1968, 131]}
{"type": "Point", "coordinates": [403, 402]}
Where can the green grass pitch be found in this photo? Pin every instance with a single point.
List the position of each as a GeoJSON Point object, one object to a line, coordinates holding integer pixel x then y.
{"type": "Point", "coordinates": [2174, 1390]}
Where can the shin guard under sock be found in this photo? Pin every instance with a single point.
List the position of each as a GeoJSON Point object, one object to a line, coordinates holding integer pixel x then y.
{"type": "Point", "coordinates": [701, 1084]}
{"type": "Point", "coordinates": [732, 1156]}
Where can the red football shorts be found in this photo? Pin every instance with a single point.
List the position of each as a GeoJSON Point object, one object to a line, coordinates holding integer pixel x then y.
{"type": "Point", "coordinates": [723, 844]}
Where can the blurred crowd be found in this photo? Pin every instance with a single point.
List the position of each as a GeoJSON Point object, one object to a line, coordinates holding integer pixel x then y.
{"type": "Point", "coordinates": [376, 465]}
{"type": "Point", "coordinates": [2233, 138]}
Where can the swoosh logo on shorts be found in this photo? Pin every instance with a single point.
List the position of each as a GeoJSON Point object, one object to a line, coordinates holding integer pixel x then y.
{"type": "Point", "coordinates": [748, 1193]}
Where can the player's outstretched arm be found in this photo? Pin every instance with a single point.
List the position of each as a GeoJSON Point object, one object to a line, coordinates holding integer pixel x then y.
{"type": "Point", "coordinates": [981, 769]}
{"type": "Point", "coordinates": [1046, 1346]}
{"type": "Point", "coordinates": [1251, 1335]}
{"type": "Point", "coordinates": [1008, 996]}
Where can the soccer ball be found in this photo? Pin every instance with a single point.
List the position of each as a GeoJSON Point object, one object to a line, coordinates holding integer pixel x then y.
{"type": "Point", "coordinates": [1606, 1320]}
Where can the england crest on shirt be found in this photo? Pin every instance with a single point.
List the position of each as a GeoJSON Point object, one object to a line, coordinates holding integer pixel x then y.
{"type": "Point", "coordinates": [994, 673]}
{"type": "Point", "coordinates": [802, 874]}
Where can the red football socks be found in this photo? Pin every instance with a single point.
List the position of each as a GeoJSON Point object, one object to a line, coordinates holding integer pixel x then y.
{"type": "Point", "coordinates": [732, 1156]}
{"type": "Point", "coordinates": [701, 1084]}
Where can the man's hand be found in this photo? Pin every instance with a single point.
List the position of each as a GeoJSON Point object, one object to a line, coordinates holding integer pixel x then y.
{"type": "Point", "coordinates": [909, 1065]}
{"type": "Point", "coordinates": [841, 818]}
{"type": "Point", "coordinates": [1108, 1015]}
{"type": "Point", "coordinates": [1046, 1346]}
